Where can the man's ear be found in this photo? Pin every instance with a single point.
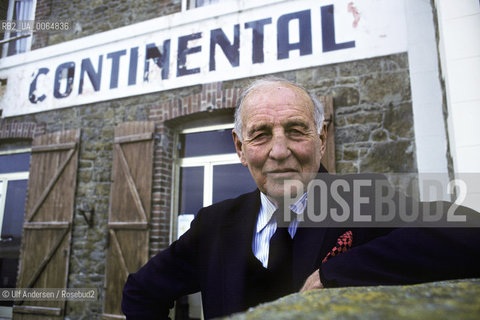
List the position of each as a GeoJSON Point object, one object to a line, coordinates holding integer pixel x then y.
{"type": "Point", "coordinates": [323, 138]}
{"type": "Point", "coordinates": [238, 148]}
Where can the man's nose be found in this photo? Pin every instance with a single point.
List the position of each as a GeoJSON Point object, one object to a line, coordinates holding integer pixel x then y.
{"type": "Point", "coordinates": [280, 150]}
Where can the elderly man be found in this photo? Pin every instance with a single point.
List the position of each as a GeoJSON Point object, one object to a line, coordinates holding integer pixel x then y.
{"type": "Point", "coordinates": [237, 253]}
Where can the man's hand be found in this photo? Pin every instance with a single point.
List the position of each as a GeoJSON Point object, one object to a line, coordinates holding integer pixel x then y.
{"type": "Point", "coordinates": [312, 282]}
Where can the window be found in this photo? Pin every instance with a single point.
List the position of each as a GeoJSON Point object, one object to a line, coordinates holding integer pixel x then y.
{"type": "Point", "coordinates": [207, 164]}
{"type": "Point", "coordinates": [16, 10]}
{"type": "Point", "coordinates": [208, 171]}
{"type": "Point", "coordinates": [192, 4]}
{"type": "Point", "coordinates": [14, 167]}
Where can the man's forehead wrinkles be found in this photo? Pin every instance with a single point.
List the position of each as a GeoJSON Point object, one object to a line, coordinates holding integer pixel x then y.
{"type": "Point", "coordinates": [259, 126]}
{"type": "Point", "coordinates": [288, 121]}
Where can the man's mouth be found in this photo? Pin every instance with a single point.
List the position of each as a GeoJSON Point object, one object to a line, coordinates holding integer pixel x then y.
{"type": "Point", "coordinates": [282, 172]}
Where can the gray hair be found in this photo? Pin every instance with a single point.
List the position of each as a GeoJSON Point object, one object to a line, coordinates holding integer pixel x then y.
{"type": "Point", "coordinates": [317, 105]}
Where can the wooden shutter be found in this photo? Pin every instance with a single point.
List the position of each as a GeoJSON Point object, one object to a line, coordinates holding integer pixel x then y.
{"type": "Point", "coordinates": [328, 159]}
{"type": "Point", "coordinates": [45, 252]}
{"type": "Point", "coordinates": [129, 213]}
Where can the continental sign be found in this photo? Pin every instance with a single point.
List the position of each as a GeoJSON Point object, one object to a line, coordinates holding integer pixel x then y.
{"type": "Point", "coordinates": [203, 45]}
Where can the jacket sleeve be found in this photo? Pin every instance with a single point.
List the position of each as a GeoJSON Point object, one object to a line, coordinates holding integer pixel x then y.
{"type": "Point", "coordinates": [151, 291]}
{"type": "Point", "coordinates": [407, 256]}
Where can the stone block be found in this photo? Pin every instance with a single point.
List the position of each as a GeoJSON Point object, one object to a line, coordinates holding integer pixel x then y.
{"type": "Point", "coordinates": [385, 88]}
{"type": "Point", "coordinates": [395, 62]}
{"type": "Point", "coordinates": [345, 96]}
{"type": "Point", "coordinates": [347, 81]}
{"type": "Point", "coordinates": [102, 189]}
{"type": "Point", "coordinates": [364, 118]}
{"type": "Point", "coordinates": [358, 68]}
{"type": "Point", "coordinates": [399, 120]}
{"type": "Point", "coordinates": [346, 167]}
{"type": "Point", "coordinates": [304, 77]}
{"type": "Point", "coordinates": [324, 73]}
{"type": "Point", "coordinates": [354, 133]}
{"type": "Point", "coordinates": [85, 176]}
{"type": "Point", "coordinates": [349, 154]}
{"type": "Point", "coordinates": [339, 121]}
{"type": "Point", "coordinates": [88, 156]}
{"type": "Point", "coordinates": [379, 135]}
{"type": "Point", "coordinates": [394, 156]}
{"type": "Point", "coordinates": [84, 164]}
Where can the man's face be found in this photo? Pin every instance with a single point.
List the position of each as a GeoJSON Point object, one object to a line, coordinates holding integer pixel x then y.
{"type": "Point", "coordinates": [280, 138]}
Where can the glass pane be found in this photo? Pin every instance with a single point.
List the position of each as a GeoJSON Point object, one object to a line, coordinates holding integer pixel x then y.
{"type": "Point", "coordinates": [8, 277]}
{"type": "Point", "coordinates": [202, 3]}
{"type": "Point", "coordinates": [230, 181]}
{"type": "Point", "coordinates": [206, 143]}
{"type": "Point", "coordinates": [8, 271]}
{"type": "Point", "coordinates": [12, 233]}
{"type": "Point", "coordinates": [191, 190]}
{"type": "Point", "coordinates": [17, 162]}
{"type": "Point", "coordinates": [14, 209]}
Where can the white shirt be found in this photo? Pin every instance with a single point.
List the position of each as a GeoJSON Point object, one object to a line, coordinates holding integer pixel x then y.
{"type": "Point", "coordinates": [267, 225]}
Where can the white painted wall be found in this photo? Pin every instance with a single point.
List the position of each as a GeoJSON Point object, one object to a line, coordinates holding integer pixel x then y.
{"type": "Point", "coordinates": [428, 118]}
{"type": "Point", "coordinates": [459, 31]}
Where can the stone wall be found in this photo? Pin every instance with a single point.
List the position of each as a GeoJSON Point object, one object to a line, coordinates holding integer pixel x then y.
{"type": "Point", "coordinates": [456, 299]}
{"type": "Point", "coordinates": [374, 132]}
{"type": "Point", "coordinates": [373, 113]}
{"type": "Point", "coordinates": [95, 16]}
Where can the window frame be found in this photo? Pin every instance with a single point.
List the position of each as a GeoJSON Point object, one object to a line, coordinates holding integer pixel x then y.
{"type": "Point", "coordinates": [11, 176]}
{"type": "Point", "coordinates": [207, 162]}
{"type": "Point", "coordinates": [190, 4]}
{"type": "Point", "coordinates": [5, 178]}
{"type": "Point", "coordinates": [6, 312]}
{"type": "Point", "coordinates": [6, 41]}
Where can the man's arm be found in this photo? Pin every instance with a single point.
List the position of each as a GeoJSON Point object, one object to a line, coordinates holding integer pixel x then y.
{"type": "Point", "coordinates": [407, 256]}
{"type": "Point", "coordinates": [151, 292]}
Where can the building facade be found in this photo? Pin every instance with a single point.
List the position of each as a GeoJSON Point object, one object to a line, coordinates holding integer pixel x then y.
{"type": "Point", "coordinates": [115, 124]}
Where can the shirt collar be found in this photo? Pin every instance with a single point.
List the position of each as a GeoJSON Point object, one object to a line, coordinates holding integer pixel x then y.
{"type": "Point", "coordinates": [267, 209]}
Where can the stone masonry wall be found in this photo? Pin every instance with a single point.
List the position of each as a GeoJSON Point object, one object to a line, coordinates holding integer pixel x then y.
{"type": "Point", "coordinates": [373, 112]}
{"type": "Point", "coordinates": [95, 16]}
{"type": "Point", "coordinates": [374, 132]}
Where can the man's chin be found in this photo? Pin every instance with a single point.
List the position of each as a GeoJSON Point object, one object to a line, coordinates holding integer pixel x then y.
{"type": "Point", "coordinates": [278, 192]}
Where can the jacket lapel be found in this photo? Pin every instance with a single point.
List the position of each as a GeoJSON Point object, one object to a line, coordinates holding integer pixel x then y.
{"type": "Point", "coordinates": [237, 235]}
{"type": "Point", "coordinates": [311, 244]}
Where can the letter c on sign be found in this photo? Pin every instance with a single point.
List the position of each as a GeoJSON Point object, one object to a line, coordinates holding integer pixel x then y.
{"type": "Point", "coordinates": [32, 95]}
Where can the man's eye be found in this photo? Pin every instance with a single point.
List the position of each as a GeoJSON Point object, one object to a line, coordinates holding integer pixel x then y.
{"type": "Point", "coordinates": [296, 132]}
{"type": "Point", "coordinates": [259, 135]}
